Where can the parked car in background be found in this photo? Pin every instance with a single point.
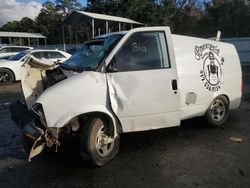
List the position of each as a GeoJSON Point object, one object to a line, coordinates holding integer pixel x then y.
{"type": "Point", "coordinates": [7, 51]}
{"type": "Point", "coordinates": [10, 68]}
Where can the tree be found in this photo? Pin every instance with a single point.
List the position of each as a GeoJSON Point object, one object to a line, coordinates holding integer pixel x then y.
{"type": "Point", "coordinates": [180, 15]}
{"type": "Point", "coordinates": [229, 16]}
{"type": "Point", "coordinates": [67, 6]}
{"type": "Point", "coordinates": [188, 12]}
{"type": "Point", "coordinates": [11, 26]}
{"type": "Point", "coordinates": [48, 22]}
{"type": "Point", "coordinates": [148, 12]}
{"type": "Point", "coordinates": [25, 25]}
{"type": "Point", "coordinates": [190, 17]}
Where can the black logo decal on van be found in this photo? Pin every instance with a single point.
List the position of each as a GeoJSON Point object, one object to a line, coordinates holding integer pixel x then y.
{"type": "Point", "coordinates": [211, 73]}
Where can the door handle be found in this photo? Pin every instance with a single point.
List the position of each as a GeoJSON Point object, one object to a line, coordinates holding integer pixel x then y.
{"type": "Point", "coordinates": [174, 85]}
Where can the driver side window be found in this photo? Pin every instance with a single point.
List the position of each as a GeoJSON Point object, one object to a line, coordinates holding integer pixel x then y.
{"type": "Point", "coordinates": [142, 51]}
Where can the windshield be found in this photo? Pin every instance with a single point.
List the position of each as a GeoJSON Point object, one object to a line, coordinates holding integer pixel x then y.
{"type": "Point", "coordinates": [92, 53]}
{"type": "Point", "coordinates": [18, 56]}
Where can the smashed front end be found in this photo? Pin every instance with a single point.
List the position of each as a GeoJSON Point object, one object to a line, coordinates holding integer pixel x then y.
{"type": "Point", "coordinates": [37, 76]}
{"type": "Point", "coordinates": [53, 95]}
{"type": "Point", "coordinates": [36, 135]}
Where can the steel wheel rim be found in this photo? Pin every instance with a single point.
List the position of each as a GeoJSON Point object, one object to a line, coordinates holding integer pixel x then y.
{"type": "Point", "coordinates": [4, 77]}
{"type": "Point", "coordinates": [102, 147]}
{"type": "Point", "coordinates": [218, 110]}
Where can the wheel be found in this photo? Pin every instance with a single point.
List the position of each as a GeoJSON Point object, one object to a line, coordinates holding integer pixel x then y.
{"type": "Point", "coordinates": [95, 144]}
{"type": "Point", "coordinates": [217, 112]}
{"type": "Point", "coordinates": [6, 76]}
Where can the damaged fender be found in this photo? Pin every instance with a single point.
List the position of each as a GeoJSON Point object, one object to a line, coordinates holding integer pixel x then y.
{"type": "Point", "coordinates": [69, 98]}
{"type": "Point", "coordinates": [60, 103]}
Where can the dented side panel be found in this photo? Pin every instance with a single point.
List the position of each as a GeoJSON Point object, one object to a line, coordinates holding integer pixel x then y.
{"type": "Point", "coordinates": [145, 99]}
{"type": "Point", "coordinates": [148, 103]}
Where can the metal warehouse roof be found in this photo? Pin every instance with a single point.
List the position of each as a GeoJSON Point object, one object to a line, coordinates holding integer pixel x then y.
{"type": "Point", "coordinates": [98, 22]}
{"type": "Point", "coordinates": [103, 17]}
{"type": "Point", "coordinates": [22, 35]}
{"type": "Point", "coordinates": [108, 17]}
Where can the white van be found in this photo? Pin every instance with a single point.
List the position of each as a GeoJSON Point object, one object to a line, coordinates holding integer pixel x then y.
{"type": "Point", "coordinates": [143, 79]}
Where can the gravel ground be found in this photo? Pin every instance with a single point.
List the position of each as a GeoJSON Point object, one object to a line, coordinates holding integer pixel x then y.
{"type": "Point", "coordinates": [191, 155]}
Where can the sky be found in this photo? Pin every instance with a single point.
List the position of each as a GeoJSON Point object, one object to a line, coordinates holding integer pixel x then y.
{"type": "Point", "coordinates": [11, 10]}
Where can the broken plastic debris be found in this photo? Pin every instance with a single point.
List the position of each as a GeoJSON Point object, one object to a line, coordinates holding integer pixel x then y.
{"type": "Point", "coordinates": [236, 139]}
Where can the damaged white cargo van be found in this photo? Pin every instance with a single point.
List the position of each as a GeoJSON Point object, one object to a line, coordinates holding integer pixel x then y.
{"type": "Point", "coordinates": [143, 79]}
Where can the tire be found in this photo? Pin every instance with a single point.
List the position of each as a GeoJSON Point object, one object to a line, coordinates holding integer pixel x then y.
{"type": "Point", "coordinates": [92, 147]}
{"type": "Point", "coordinates": [6, 76]}
{"type": "Point", "coordinates": [217, 113]}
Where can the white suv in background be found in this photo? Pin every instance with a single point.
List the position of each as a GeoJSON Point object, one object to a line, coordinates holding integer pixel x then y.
{"type": "Point", "coordinates": [8, 51]}
{"type": "Point", "coordinates": [10, 68]}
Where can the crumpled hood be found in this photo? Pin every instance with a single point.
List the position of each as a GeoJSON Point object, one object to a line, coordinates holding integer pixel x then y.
{"type": "Point", "coordinates": [77, 93]}
{"type": "Point", "coordinates": [72, 95]}
{"type": "Point", "coordinates": [35, 78]}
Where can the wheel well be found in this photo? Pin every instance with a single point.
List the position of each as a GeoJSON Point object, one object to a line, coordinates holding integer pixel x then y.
{"type": "Point", "coordinates": [226, 98]}
{"type": "Point", "coordinates": [83, 118]}
{"type": "Point", "coordinates": [224, 95]}
{"type": "Point", "coordinates": [10, 71]}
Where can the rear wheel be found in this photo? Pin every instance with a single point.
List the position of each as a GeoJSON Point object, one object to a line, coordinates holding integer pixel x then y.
{"type": "Point", "coordinates": [95, 143]}
{"type": "Point", "coordinates": [217, 112]}
{"type": "Point", "coordinates": [6, 76]}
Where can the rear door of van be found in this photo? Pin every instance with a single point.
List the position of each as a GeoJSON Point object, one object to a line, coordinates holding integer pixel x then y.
{"type": "Point", "coordinates": [142, 80]}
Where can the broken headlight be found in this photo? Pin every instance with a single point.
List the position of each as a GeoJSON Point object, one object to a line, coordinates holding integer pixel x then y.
{"type": "Point", "coordinates": [38, 109]}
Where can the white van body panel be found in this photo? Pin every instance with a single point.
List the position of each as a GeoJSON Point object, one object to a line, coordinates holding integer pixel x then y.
{"type": "Point", "coordinates": [145, 104]}
{"type": "Point", "coordinates": [137, 91]}
{"type": "Point", "coordinates": [147, 109]}
{"type": "Point", "coordinates": [144, 100]}
{"type": "Point", "coordinates": [76, 95]}
{"type": "Point", "coordinates": [192, 58]}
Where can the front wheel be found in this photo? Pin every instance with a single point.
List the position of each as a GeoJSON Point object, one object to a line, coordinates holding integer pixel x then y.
{"type": "Point", "coordinates": [95, 143]}
{"type": "Point", "coordinates": [217, 112]}
{"type": "Point", "coordinates": [6, 76]}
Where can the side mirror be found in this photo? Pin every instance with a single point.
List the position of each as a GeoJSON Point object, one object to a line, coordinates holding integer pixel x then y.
{"type": "Point", "coordinates": [112, 66]}
{"type": "Point", "coordinates": [112, 69]}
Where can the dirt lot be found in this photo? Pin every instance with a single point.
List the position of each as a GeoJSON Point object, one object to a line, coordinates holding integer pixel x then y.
{"type": "Point", "coordinates": [189, 156]}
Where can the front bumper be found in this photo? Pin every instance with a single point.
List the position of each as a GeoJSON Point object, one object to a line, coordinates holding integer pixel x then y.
{"type": "Point", "coordinates": [33, 137]}
{"type": "Point", "coordinates": [33, 140]}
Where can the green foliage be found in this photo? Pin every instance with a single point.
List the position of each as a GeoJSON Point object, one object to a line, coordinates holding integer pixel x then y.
{"type": "Point", "coordinates": [232, 17]}
{"type": "Point", "coordinates": [48, 21]}
{"type": "Point", "coordinates": [67, 6]}
{"type": "Point", "coordinates": [25, 25]}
